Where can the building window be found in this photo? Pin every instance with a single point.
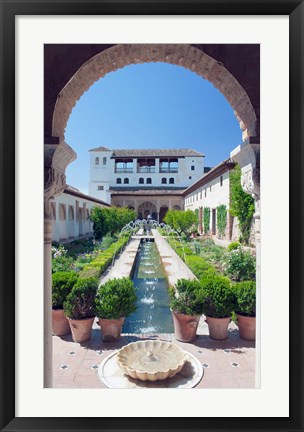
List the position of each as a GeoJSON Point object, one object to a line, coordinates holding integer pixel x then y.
{"type": "Point", "coordinates": [192, 167]}
{"type": "Point", "coordinates": [141, 180]}
{"type": "Point", "coordinates": [149, 180]}
{"type": "Point", "coordinates": [210, 188]}
{"type": "Point", "coordinates": [126, 181]}
{"type": "Point", "coordinates": [164, 180]}
{"type": "Point", "coordinates": [118, 180]}
{"type": "Point", "coordinates": [104, 161]}
{"type": "Point", "coordinates": [123, 165]}
{"type": "Point", "coordinates": [205, 193]}
{"type": "Point", "coordinates": [171, 180]}
{"type": "Point", "coordinates": [190, 177]}
{"type": "Point", "coordinates": [168, 165]}
{"type": "Point", "coordinates": [97, 161]}
{"type": "Point", "coordinates": [221, 181]}
{"type": "Point", "coordinates": [100, 187]}
{"type": "Point", "coordinates": [146, 165]}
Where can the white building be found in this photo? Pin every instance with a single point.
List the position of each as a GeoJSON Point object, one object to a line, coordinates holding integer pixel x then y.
{"type": "Point", "coordinates": [145, 169]}
{"type": "Point", "coordinates": [70, 215]}
{"type": "Point", "coordinates": [211, 191]}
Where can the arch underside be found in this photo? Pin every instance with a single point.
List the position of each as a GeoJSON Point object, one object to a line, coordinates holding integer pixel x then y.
{"type": "Point", "coordinates": [183, 55]}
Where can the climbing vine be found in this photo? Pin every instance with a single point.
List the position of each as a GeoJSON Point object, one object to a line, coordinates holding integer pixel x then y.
{"type": "Point", "coordinates": [206, 219]}
{"type": "Point", "coordinates": [221, 219]}
{"type": "Point", "coordinates": [241, 204]}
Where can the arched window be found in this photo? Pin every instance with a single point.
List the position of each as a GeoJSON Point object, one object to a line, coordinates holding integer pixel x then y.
{"type": "Point", "coordinates": [164, 180]}
{"type": "Point", "coordinates": [126, 181]}
{"type": "Point", "coordinates": [149, 180]}
{"type": "Point", "coordinates": [171, 180]}
{"type": "Point", "coordinates": [104, 161]}
{"type": "Point", "coordinates": [118, 180]}
{"type": "Point", "coordinates": [97, 161]}
{"type": "Point", "coordinates": [141, 180]}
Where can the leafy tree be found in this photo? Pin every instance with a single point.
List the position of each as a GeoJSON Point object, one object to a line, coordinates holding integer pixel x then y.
{"type": "Point", "coordinates": [110, 220]}
{"type": "Point", "coordinates": [182, 221]}
{"type": "Point", "coordinates": [241, 204]}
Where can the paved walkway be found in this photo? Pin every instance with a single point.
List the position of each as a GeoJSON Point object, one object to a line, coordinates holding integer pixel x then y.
{"type": "Point", "coordinates": [227, 364]}
{"type": "Point", "coordinates": [123, 265]}
{"type": "Point", "coordinates": [174, 265]}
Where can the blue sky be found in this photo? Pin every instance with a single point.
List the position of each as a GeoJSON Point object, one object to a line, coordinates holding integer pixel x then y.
{"type": "Point", "coordinates": [151, 105]}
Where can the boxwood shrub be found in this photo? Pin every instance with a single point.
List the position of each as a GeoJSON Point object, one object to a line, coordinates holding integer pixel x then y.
{"type": "Point", "coordinates": [116, 298]}
{"type": "Point", "coordinates": [245, 293]}
{"type": "Point", "coordinates": [219, 296]}
{"type": "Point", "coordinates": [62, 284]}
{"type": "Point", "coordinates": [80, 303]}
{"type": "Point", "coordinates": [187, 297]}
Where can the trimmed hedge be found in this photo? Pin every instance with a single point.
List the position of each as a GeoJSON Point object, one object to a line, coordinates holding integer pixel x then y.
{"type": "Point", "coordinates": [104, 259]}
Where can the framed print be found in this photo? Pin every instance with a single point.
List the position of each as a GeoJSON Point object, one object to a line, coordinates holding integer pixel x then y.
{"type": "Point", "coordinates": [53, 57]}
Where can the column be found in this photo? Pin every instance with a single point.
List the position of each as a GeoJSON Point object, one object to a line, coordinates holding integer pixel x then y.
{"type": "Point", "coordinates": [48, 357]}
{"type": "Point", "coordinates": [248, 157]}
{"type": "Point", "coordinates": [56, 159]}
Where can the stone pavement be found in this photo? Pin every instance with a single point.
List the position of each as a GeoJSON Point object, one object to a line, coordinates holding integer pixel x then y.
{"type": "Point", "coordinates": [227, 364]}
{"type": "Point", "coordinates": [123, 265]}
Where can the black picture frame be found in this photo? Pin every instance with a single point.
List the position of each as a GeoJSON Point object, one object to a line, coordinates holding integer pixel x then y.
{"type": "Point", "coordinates": [9, 10]}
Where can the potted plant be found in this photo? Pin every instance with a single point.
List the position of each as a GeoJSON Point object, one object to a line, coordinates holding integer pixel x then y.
{"type": "Point", "coordinates": [62, 284]}
{"type": "Point", "coordinates": [115, 300]}
{"type": "Point", "coordinates": [79, 308]}
{"type": "Point", "coordinates": [245, 308]}
{"type": "Point", "coordinates": [186, 307]}
{"type": "Point", "coordinates": [219, 302]}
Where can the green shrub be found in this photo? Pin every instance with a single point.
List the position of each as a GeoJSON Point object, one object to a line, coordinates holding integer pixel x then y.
{"type": "Point", "coordinates": [62, 284]}
{"type": "Point", "coordinates": [197, 265]}
{"type": "Point", "coordinates": [62, 263]}
{"type": "Point", "coordinates": [80, 303]}
{"type": "Point", "coordinates": [187, 297]}
{"type": "Point", "coordinates": [219, 297]}
{"type": "Point", "coordinates": [233, 245]}
{"type": "Point", "coordinates": [245, 293]}
{"type": "Point", "coordinates": [116, 298]}
{"type": "Point", "coordinates": [221, 219]}
{"type": "Point", "coordinates": [104, 259]}
{"type": "Point", "coordinates": [239, 265]}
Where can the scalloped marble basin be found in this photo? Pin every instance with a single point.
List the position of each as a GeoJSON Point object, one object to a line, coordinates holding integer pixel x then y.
{"type": "Point", "coordinates": [151, 360]}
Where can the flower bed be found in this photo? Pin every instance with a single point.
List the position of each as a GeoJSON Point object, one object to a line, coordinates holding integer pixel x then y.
{"type": "Point", "coordinates": [89, 258]}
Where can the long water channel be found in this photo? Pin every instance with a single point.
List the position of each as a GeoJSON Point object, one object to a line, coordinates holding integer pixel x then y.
{"type": "Point", "coordinates": [153, 313]}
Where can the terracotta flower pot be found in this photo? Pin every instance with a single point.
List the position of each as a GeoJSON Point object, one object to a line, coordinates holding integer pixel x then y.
{"type": "Point", "coordinates": [246, 327]}
{"type": "Point", "coordinates": [60, 323]}
{"type": "Point", "coordinates": [185, 326]}
{"type": "Point", "coordinates": [111, 329]}
{"type": "Point", "coordinates": [218, 327]}
{"type": "Point", "coordinates": [81, 329]}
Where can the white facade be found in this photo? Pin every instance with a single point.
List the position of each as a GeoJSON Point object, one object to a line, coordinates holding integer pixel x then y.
{"type": "Point", "coordinates": [211, 191]}
{"type": "Point", "coordinates": [70, 215]}
{"type": "Point", "coordinates": [119, 169]}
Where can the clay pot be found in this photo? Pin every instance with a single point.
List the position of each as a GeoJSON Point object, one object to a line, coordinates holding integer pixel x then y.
{"type": "Point", "coordinates": [81, 329]}
{"type": "Point", "coordinates": [218, 327]}
{"type": "Point", "coordinates": [246, 327]}
{"type": "Point", "coordinates": [60, 323]}
{"type": "Point", "coordinates": [111, 329]}
{"type": "Point", "coordinates": [185, 326]}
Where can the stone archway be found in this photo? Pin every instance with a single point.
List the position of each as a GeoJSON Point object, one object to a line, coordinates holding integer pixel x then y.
{"type": "Point", "coordinates": [185, 55]}
{"type": "Point", "coordinates": [162, 212]}
{"type": "Point", "coordinates": [146, 209]}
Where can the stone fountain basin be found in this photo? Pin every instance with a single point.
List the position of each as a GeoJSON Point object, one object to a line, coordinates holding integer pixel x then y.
{"type": "Point", "coordinates": [151, 360]}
